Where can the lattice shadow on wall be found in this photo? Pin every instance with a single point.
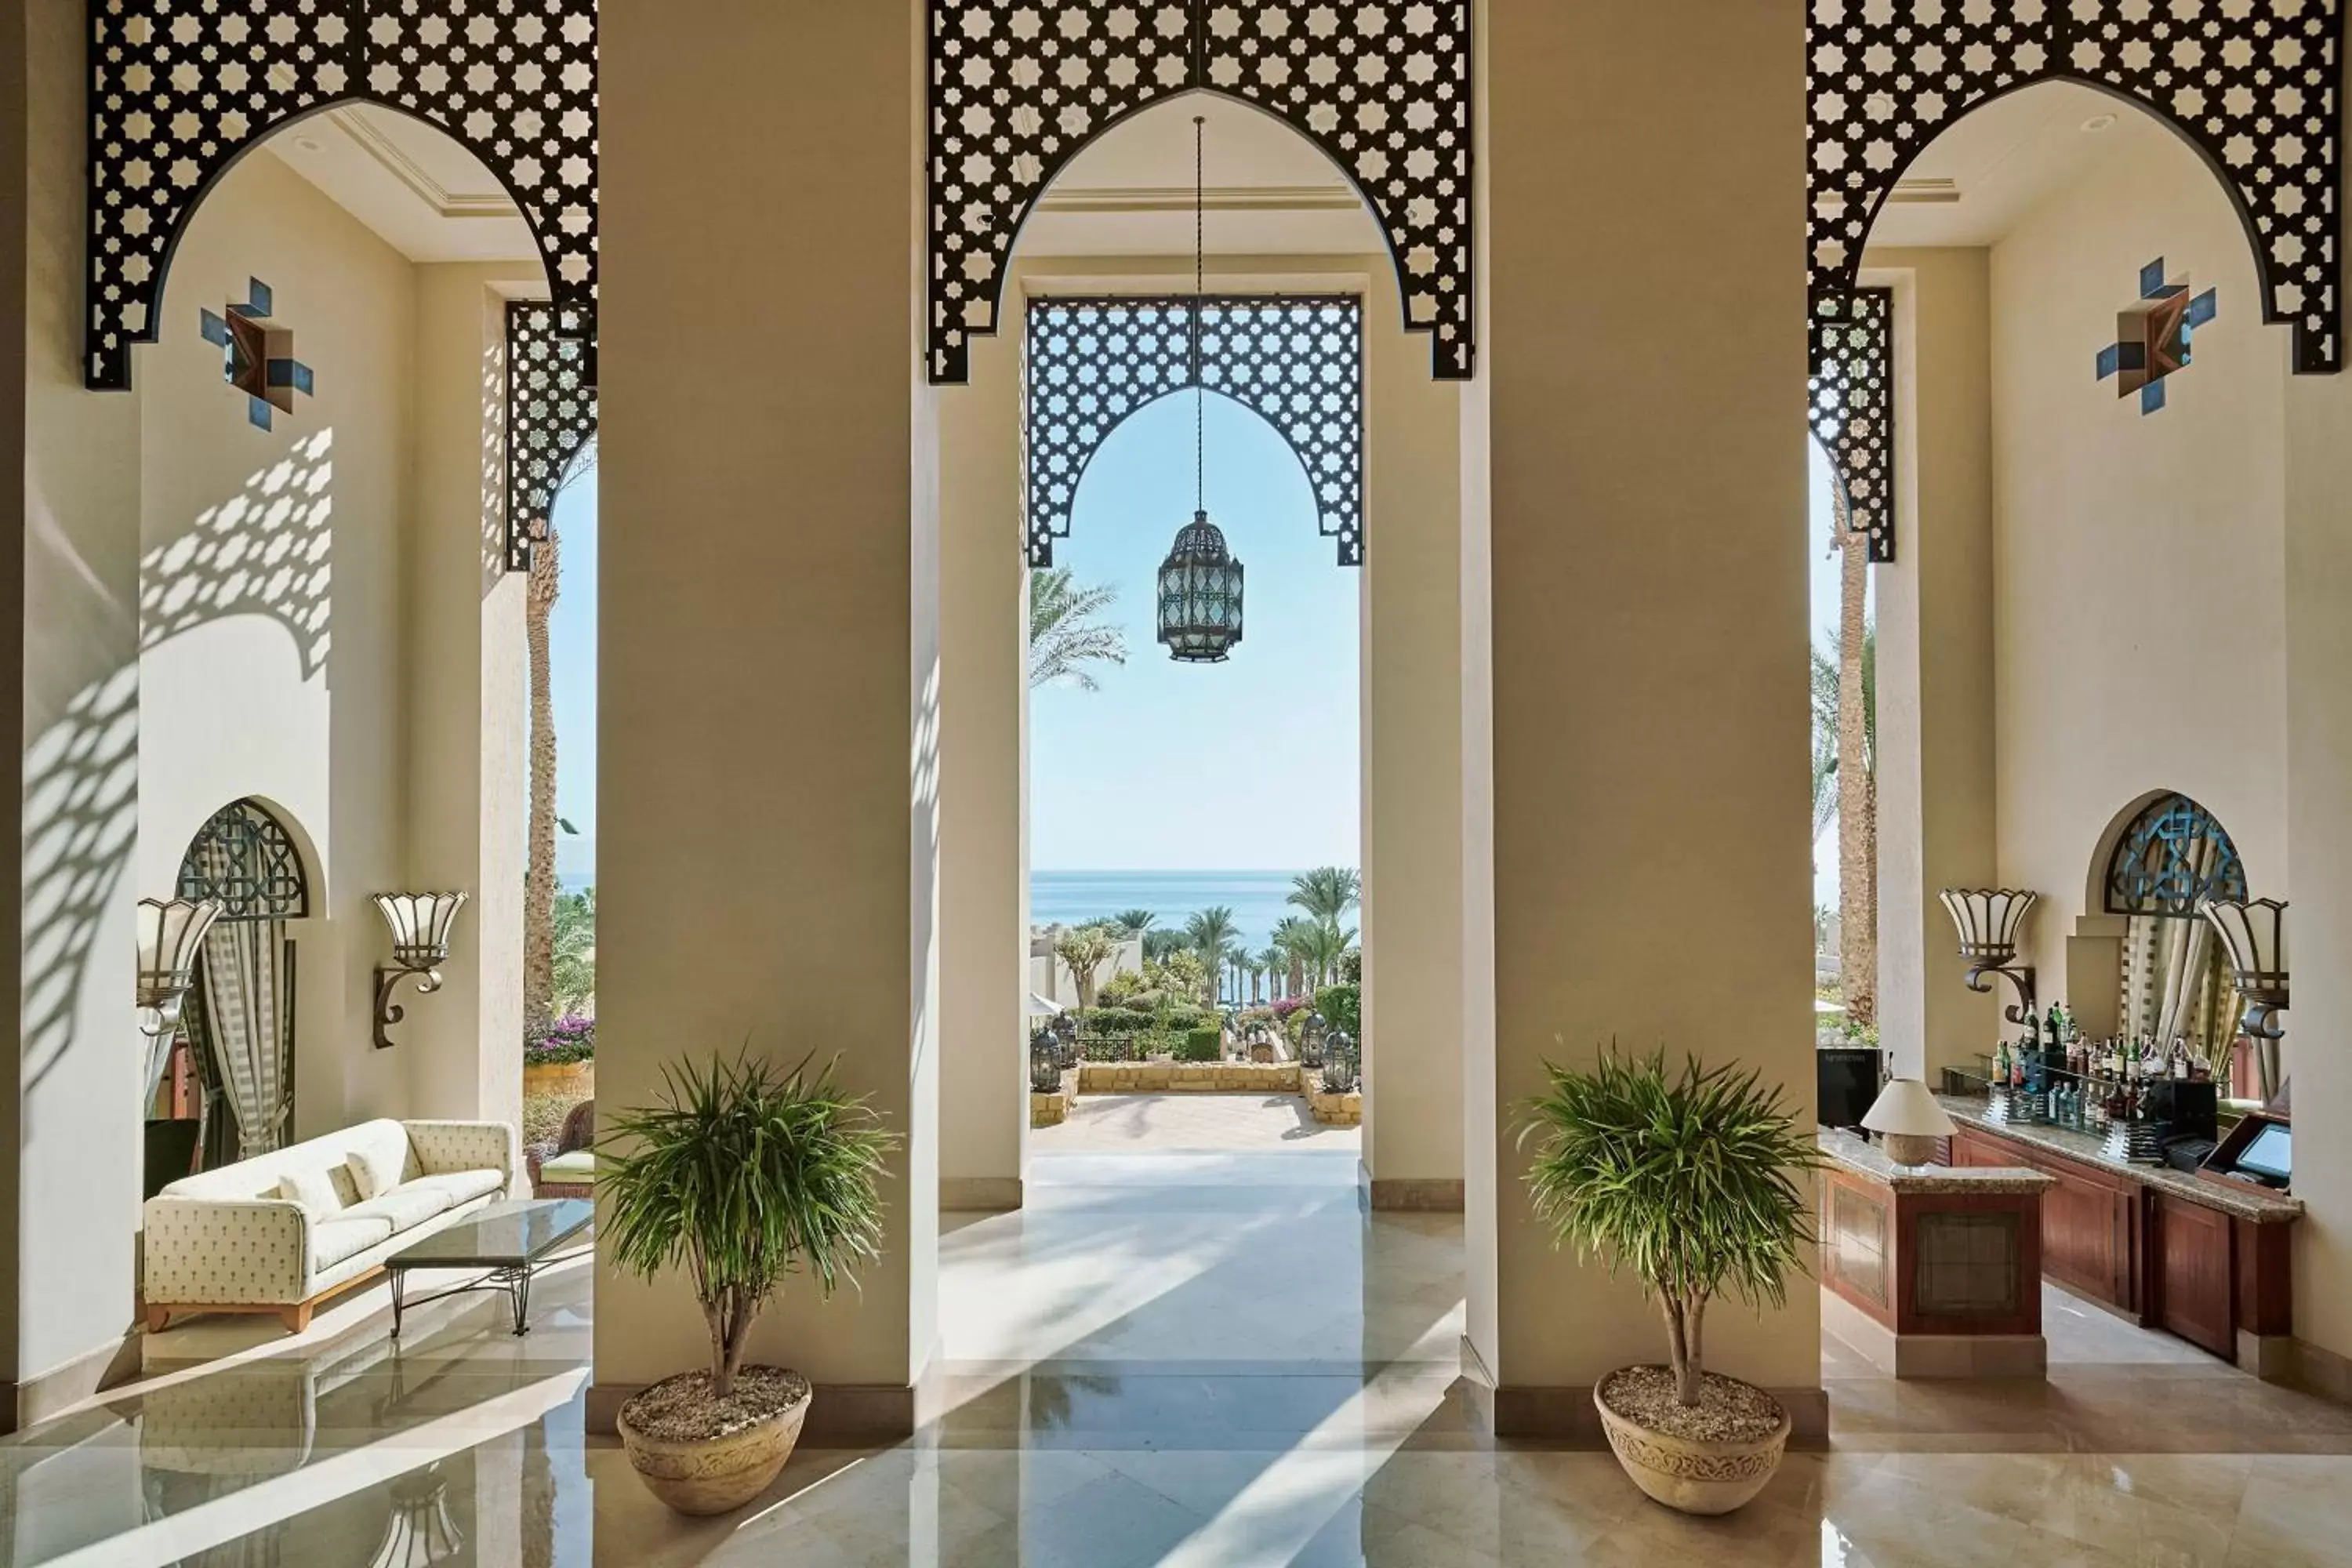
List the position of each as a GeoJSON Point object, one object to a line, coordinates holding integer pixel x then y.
{"type": "Point", "coordinates": [1297, 360]}
{"type": "Point", "coordinates": [1382, 87]}
{"type": "Point", "coordinates": [181, 88]}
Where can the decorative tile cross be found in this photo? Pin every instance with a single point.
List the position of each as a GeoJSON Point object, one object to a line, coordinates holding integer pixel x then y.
{"type": "Point", "coordinates": [2152, 336]}
{"type": "Point", "coordinates": [256, 356]}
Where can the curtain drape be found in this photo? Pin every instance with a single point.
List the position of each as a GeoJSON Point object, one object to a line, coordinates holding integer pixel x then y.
{"type": "Point", "coordinates": [247, 1014]}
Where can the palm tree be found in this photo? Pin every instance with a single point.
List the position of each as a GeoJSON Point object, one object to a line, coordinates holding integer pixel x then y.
{"type": "Point", "coordinates": [1323, 945]}
{"type": "Point", "coordinates": [1063, 635]}
{"type": "Point", "coordinates": [1327, 892]}
{"type": "Point", "coordinates": [1275, 963]}
{"type": "Point", "coordinates": [1082, 952]}
{"type": "Point", "coordinates": [539, 832]}
{"type": "Point", "coordinates": [575, 953]}
{"type": "Point", "coordinates": [1135, 922]}
{"type": "Point", "coordinates": [1159, 944]}
{"type": "Point", "coordinates": [1295, 937]}
{"type": "Point", "coordinates": [1210, 934]}
{"type": "Point", "coordinates": [1857, 769]}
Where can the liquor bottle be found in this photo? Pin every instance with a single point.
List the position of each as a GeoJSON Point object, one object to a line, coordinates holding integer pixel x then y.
{"type": "Point", "coordinates": [2000, 1064]}
{"type": "Point", "coordinates": [2180, 1059]}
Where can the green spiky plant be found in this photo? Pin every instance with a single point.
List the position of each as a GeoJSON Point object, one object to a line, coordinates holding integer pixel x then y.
{"type": "Point", "coordinates": [1690, 1180]}
{"type": "Point", "coordinates": [741, 1173]}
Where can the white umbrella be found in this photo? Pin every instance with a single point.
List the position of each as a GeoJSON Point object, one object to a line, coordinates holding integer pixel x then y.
{"type": "Point", "coordinates": [1041, 1007]}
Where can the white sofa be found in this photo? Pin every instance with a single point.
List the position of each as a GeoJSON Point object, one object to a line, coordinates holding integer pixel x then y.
{"type": "Point", "coordinates": [226, 1241]}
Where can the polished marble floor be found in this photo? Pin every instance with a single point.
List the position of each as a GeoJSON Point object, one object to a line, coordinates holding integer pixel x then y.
{"type": "Point", "coordinates": [1211, 1359]}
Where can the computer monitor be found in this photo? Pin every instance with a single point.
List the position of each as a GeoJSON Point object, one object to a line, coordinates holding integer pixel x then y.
{"type": "Point", "coordinates": [2271, 1156]}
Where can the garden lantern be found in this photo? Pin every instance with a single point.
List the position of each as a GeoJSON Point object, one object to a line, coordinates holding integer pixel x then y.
{"type": "Point", "coordinates": [1311, 1039]}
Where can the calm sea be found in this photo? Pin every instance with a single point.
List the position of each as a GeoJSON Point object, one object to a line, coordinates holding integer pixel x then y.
{"type": "Point", "coordinates": [1257, 898]}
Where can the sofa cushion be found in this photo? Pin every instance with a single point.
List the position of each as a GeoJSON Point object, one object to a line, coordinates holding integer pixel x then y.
{"type": "Point", "coordinates": [464, 1186]}
{"type": "Point", "coordinates": [573, 1167]}
{"type": "Point", "coordinates": [409, 1204]}
{"type": "Point", "coordinates": [257, 1178]}
{"type": "Point", "coordinates": [375, 1169]}
{"type": "Point", "coordinates": [310, 1186]}
{"type": "Point", "coordinates": [332, 1240]}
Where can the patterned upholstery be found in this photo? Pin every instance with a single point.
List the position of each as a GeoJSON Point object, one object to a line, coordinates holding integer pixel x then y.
{"type": "Point", "coordinates": [215, 1239]}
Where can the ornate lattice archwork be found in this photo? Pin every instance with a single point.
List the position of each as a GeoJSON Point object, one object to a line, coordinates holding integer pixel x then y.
{"type": "Point", "coordinates": [244, 857]}
{"type": "Point", "coordinates": [550, 414]}
{"type": "Point", "coordinates": [1298, 361]}
{"type": "Point", "coordinates": [2251, 84]}
{"type": "Point", "coordinates": [1852, 394]}
{"type": "Point", "coordinates": [181, 89]}
{"type": "Point", "coordinates": [2172, 856]}
{"type": "Point", "coordinates": [1384, 87]}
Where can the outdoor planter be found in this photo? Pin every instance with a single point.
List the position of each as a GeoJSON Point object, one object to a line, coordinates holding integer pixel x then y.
{"type": "Point", "coordinates": [1048, 1109]}
{"type": "Point", "coordinates": [1337, 1110]}
{"type": "Point", "coordinates": [572, 1081]}
{"type": "Point", "coordinates": [1746, 1432]}
{"type": "Point", "coordinates": [699, 1462]}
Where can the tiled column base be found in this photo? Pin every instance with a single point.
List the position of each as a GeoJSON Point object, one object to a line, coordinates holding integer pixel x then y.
{"type": "Point", "coordinates": [1933, 1355]}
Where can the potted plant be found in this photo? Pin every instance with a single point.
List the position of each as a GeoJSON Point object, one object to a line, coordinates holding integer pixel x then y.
{"type": "Point", "coordinates": [1691, 1180]}
{"type": "Point", "coordinates": [740, 1174]}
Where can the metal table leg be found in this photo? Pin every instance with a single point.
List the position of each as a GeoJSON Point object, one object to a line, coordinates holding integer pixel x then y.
{"type": "Point", "coordinates": [399, 1278]}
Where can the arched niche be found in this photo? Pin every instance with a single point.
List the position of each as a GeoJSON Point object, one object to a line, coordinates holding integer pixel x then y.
{"type": "Point", "coordinates": [181, 89]}
{"type": "Point", "coordinates": [2140, 961]}
{"type": "Point", "coordinates": [2252, 88]}
{"type": "Point", "coordinates": [1297, 360]}
{"type": "Point", "coordinates": [1382, 87]}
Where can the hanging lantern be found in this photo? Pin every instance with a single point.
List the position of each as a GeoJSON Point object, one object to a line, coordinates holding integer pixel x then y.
{"type": "Point", "coordinates": [1200, 595]}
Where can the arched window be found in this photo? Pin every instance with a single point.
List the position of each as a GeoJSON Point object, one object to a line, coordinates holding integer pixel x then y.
{"type": "Point", "coordinates": [2173, 855]}
{"type": "Point", "coordinates": [244, 857]}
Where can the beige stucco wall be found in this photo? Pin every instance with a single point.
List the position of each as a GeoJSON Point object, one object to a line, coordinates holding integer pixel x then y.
{"type": "Point", "coordinates": [270, 587]}
{"type": "Point", "coordinates": [2139, 561]}
{"type": "Point", "coordinates": [768, 533]}
{"type": "Point", "coordinates": [1934, 607]}
{"type": "Point", "coordinates": [1644, 366]}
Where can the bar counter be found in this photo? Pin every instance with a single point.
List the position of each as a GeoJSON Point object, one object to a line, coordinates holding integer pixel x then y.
{"type": "Point", "coordinates": [2208, 1261]}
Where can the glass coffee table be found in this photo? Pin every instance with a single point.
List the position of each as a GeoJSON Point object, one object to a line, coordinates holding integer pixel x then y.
{"type": "Point", "coordinates": [510, 1239]}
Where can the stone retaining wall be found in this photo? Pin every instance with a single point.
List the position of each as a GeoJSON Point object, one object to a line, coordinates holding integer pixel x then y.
{"type": "Point", "coordinates": [1188, 1078]}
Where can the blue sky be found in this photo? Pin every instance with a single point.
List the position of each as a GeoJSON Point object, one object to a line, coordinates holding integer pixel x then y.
{"type": "Point", "coordinates": [1247, 764]}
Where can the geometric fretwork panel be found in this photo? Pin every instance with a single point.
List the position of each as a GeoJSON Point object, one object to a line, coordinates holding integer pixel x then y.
{"type": "Point", "coordinates": [1852, 393]}
{"type": "Point", "coordinates": [181, 89]}
{"type": "Point", "coordinates": [2173, 857]}
{"type": "Point", "coordinates": [1382, 87]}
{"type": "Point", "coordinates": [2251, 84]}
{"type": "Point", "coordinates": [244, 857]}
{"type": "Point", "coordinates": [551, 416]}
{"type": "Point", "coordinates": [1297, 360]}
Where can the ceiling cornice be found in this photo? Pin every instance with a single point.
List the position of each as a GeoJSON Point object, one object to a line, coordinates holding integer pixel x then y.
{"type": "Point", "coordinates": [445, 203]}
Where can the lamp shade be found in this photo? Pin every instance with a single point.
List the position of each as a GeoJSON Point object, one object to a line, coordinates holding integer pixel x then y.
{"type": "Point", "coordinates": [1987, 919]}
{"type": "Point", "coordinates": [1909, 1121]}
{"type": "Point", "coordinates": [2256, 934]}
{"type": "Point", "coordinates": [171, 935]}
{"type": "Point", "coordinates": [1200, 595]}
{"type": "Point", "coordinates": [420, 925]}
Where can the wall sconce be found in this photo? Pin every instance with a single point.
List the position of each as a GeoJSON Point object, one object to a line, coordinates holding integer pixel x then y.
{"type": "Point", "coordinates": [1987, 919]}
{"type": "Point", "coordinates": [2256, 934]}
{"type": "Point", "coordinates": [420, 926]}
{"type": "Point", "coordinates": [171, 935]}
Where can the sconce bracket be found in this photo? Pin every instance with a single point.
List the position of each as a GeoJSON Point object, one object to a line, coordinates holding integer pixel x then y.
{"type": "Point", "coordinates": [2020, 976]}
{"type": "Point", "coordinates": [388, 1013]}
{"type": "Point", "coordinates": [2261, 1020]}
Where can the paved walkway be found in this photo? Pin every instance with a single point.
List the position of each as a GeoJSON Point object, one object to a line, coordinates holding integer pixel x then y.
{"type": "Point", "coordinates": [1191, 1123]}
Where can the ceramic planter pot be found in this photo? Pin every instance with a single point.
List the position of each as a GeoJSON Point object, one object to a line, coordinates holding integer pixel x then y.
{"type": "Point", "coordinates": [1691, 1475]}
{"type": "Point", "coordinates": [715, 1475]}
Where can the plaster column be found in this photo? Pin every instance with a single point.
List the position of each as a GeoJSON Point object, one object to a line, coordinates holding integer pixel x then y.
{"type": "Point", "coordinates": [1642, 366]}
{"type": "Point", "coordinates": [983, 815]}
{"type": "Point", "coordinates": [1409, 760]}
{"type": "Point", "coordinates": [69, 1114]}
{"type": "Point", "coordinates": [2319, 830]}
{"type": "Point", "coordinates": [468, 680]}
{"type": "Point", "coordinates": [769, 674]}
{"type": "Point", "coordinates": [1935, 762]}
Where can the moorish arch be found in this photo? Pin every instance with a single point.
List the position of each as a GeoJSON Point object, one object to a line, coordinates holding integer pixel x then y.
{"type": "Point", "coordinates": [551, 416]}
{"type": "Point", "coordinates": [181, 89]}
{"type": "Point", "coordinates": [2251, 84]}
{"type": "Point", "coordinates": [1384, 88]}
{"type": "Point", "coordinates": [1092, 362]}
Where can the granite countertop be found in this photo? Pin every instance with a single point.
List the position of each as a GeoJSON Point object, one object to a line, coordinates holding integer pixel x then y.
{"type": "Point", "coordinates": [1867, 1159]}
{"type": "Point", "coordinates": [2246, 1202]}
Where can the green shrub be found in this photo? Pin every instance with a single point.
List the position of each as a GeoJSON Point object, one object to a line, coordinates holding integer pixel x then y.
{"type": "Point", "coordinates": [1118, 1022]}
{"type": "Point", "coordinates": [1203, 1045]}
{"type": "Point", "coordinates": [1342, 1008]}
{"type": "Point", "coordinates": [1125, 989]}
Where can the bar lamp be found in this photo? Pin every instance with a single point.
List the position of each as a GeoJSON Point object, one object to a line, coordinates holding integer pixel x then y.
{"type": "Point", "coordinates": [1988, 920]}
{"type": "Point", "coordinates": [420, 926]}
{"type": "Point", "coordinates": [1909, 1121]}
{"type": "Point", "coordinates": [2256, 934]}
{"type": "Point", "coordinates": [171, 935]}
